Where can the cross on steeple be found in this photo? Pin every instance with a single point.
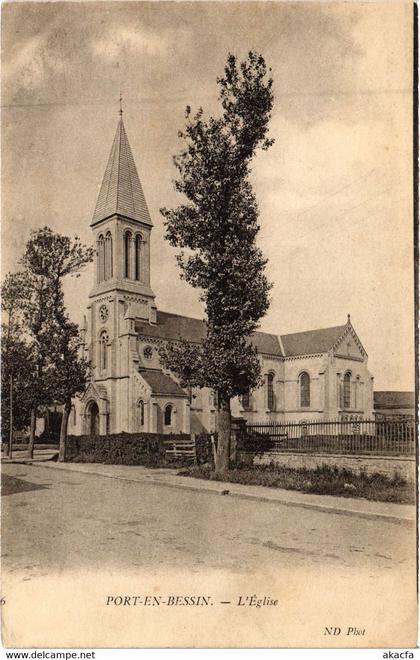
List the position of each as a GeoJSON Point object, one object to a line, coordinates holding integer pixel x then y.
{"type": "Point", "coordinates": [120, 110]}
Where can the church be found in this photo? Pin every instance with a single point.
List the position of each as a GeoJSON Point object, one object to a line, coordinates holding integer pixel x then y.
{"type": "Point", "coordinates": [311, 375]}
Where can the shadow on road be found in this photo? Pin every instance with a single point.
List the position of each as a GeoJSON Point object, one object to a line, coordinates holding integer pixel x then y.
{"type": "Point", "coordinates": [12, 485]}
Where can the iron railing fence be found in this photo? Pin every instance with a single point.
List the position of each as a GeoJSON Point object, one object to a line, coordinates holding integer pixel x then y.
{"type": "Point", "coordinates": [363, 436]}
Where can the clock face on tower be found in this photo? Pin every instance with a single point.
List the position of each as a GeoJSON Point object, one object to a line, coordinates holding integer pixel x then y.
{"type": "Point", "coordinates": [103, 313]}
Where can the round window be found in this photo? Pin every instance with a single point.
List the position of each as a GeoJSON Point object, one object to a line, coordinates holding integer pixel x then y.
{"type": "Point", "coordinates": [103, 313]}
{"type": "Point", "coordinates": [148, 352]}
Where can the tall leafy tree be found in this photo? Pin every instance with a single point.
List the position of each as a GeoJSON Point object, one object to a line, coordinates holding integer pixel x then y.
{"type": "Point", "coordinates": [71, 371]}
{"type": "Point", "coordinates": [216, 232]}
{"type": "Point", "coordinates": [37, 324]}
{"type": "Point", "coordinates": [16, 357]}
{"type": "Point", "coordinates": [48, 259]}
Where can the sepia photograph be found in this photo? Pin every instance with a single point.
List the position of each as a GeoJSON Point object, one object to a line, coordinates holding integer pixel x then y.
{"type": "Point", "coordinates": [208, 350]}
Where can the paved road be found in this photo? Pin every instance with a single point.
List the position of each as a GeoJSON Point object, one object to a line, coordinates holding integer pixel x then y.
{"type": "Point", "coordinates": [58, 520]}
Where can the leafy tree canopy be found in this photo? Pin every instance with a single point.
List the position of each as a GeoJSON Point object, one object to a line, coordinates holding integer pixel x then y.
{"type": "Point", "coordinates": [39, 326]}
{"type": "Point", "coordinates": [50, 257]}
{"type": "Point", "coordinates": [216, 229]}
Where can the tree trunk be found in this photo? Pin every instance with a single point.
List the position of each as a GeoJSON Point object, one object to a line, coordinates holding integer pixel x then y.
{"type": "Point", "coordinates": [10, 436]}
{"type": "Point", "coordinates": [10, 452]}
{"type": "Point", "coordinates": [5, 443]}
{"type": "Point", "coordinates": [63, 431]}
{"type": "Point", "coordinates": [223, 436]}
{"type": "Point", "coordinates": [30, 452]}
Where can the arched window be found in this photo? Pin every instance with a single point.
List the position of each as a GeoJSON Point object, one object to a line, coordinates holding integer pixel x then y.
{"type": "Point", "coordinates": [138, 258]}
{"type": "Point", "coordinates": [103, 351]}
{"type": "Point", "coordinates": [305, 390]}
{"type": "Point", "coordinates": [100, 256]}
{"type": "Point", "coordinates": [270, 391]}
{"type": "Point", "coordinates": [168, 415]}
{"type": "Point", "coordinates": [347, 390]}
{"type": "Point", "coordinates": [108, 256]}
{"type": "Point", "coordinates": [140, 413]}
{"type": "Point", "coordinates": [246, 400]}
{"type": "Point", "coordinates": [127, 255]}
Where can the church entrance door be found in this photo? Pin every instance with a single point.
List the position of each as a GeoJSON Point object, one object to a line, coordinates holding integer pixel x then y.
{"type": "Point", "coordinates": [94, 419]}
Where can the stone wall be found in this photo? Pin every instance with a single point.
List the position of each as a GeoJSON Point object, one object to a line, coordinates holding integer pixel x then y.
{"type": "Point", "coordinates": [387, 465]}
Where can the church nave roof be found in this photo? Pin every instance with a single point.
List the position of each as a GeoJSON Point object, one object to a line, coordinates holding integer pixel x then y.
{"type": "Point", "coordinates": [173, 327]}
{"type": "Point", "coordinates": [176, 327]}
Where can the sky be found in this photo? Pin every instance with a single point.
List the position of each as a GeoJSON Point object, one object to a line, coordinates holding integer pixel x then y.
{"type": "Point", "coordinates": [334, 192]}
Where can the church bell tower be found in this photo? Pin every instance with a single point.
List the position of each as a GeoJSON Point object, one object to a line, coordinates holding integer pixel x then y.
{"type": "Point", "coordinates": [121, 293]}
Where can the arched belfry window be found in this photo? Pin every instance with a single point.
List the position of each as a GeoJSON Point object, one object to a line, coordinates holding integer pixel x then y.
{"type": "Point", "coordinates": [127, 254]}
{"type": "Point", "coordinates": [100, 256]}
{"type": "Point", "coordinates": [108, 256]}
{"type": "Point", "coordinates": [305, 390]}
{"type": "Point", "coordinates": [137, 257]}
{"type": "Point", "coordinates": [103, 351]}
{"type": "Point", "coordinates": [270, 391]}
{"type": "Point", "coordinates": [347, 390]}
{"type": "Point", "coordinates": [168, 415]}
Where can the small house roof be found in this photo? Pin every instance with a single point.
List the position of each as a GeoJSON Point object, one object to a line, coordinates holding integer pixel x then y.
{"type": "Point", "coordinates": [392, 399]}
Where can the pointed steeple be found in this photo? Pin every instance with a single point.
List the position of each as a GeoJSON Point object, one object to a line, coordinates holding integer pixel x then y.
{"type": "Point", "coordinates": [121, 191]}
